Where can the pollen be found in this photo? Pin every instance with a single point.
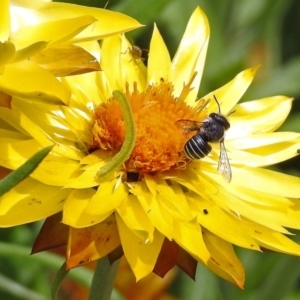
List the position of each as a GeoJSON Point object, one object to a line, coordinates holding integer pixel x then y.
{"type": "Point", "coordinates": [159, 141]}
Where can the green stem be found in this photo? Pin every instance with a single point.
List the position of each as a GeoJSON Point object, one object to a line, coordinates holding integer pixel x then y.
{"type": "Point", "coordinates": [103, 280]}
{"type": "Point", "coordinates": [59, 278]}
{"type": "Point", "coordinates": [130, 136]}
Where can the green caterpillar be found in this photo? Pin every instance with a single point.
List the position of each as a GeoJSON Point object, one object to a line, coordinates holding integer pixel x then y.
{"type": "Point", "coordinates": [130, 136]}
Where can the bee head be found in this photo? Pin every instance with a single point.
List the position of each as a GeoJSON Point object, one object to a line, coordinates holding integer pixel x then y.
{"type": "Point", "coordinates": [221, 120]}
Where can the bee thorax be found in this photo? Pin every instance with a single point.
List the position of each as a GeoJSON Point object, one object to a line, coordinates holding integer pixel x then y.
{"type": "Point", "coordinates": [212, 132]}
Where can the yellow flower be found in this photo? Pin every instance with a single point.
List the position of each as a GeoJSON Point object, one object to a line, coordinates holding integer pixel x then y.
{"type": "Point", "coordinates": [40, 40]}
{"type": "Point", "coordinates": [160, 208]}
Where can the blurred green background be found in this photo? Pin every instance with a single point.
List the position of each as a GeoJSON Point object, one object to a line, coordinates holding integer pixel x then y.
{"type": "Point", "coordinates": [244, 33]}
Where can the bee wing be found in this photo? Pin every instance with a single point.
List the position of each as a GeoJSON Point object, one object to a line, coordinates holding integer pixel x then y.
{"type": "Point", "coordinates": [189, 125]}
{"type": "Point", "coordinates": [223, 164]}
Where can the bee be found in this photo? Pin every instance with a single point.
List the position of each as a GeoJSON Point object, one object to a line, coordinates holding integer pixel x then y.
{"type": "Point", "coordinates": [210, 130]}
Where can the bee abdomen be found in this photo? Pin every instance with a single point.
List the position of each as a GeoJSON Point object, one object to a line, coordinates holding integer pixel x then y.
{"type": "Point", "coordinates": [196, 147]}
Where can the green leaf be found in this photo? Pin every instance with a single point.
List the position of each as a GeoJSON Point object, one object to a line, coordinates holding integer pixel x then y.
{"type": "Point", "coordinates": [24, 171]}
{"type": "Point", "coordinates": [103, 280]}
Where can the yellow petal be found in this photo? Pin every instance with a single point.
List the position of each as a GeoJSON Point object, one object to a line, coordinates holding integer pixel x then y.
{"type": "Point", "coordinates": [44, 125]}
{"type": "Point", "coordinates": [78, 125]}
{"type": "Point", "coordinates": [109, 22]}
{"type": "Point", "coordinates": [140, 255]}
{"type": "Point", "coordinates": [30, 201]}
{"type": "Point", "coordinates": [191, 179]}
{"type": "Point", "coordinates": [265, 156]}
{"type": "Point", "coordinates": [159, 62]}
{"type": "Point", "coordinates": [265, 199]}
{"type": "Point", "coordinates": [66, 60]}
{"type": "Point", "coordinates": [56, 170]}
{"type": "Point", "coordinates": [27, 52]}
{"type": "Point", "coordinates": [14, 154]}
{"type": "Point", "coordinates": [136, 219]}
{"type": "Point", "coordinates": [258, 116]}
{"type": "Point", "coordinates": [116, 58]}
{"type": "Point", "coordinates": [158, 215]}
{"type": "Point", "coordinates": [260, 180]}
{"type": "Point", "coordinates": [7, 115]}
{"type": "Point", "coordinates": [224, 261]}
{"type": "Point", "coordinates": [11, 136]}
{"type": "Point", "coordinates": [151, 184]}
{"type": "Point", "coordinates": [91, 243]}
{"type": "Point", "coordinates": [7, 52]}
{"type": "Point", "coordinates": [293, 215]}
{"type": "Point", "coordinates": [190, 56]}
{"type": "Point", "coordinates": [51, 31]}
{"type": "Point", "coordinates": [5, 20]}
{"type": "Point", "coordinates": [107, 198]}
{"type": "Point", "coordinates": [229, 94]}
{"type": "Point", "coordinates": [85, 93]}
{"type": "Point", "coordinates": [189, 237]}
{"type": "Point", "coordinates": [261, 139]}
{"type": "Point", "coordinates": [269, 239]}
{"type": "Point", "coordinates": [173, 199]}
{"type": "Point", "coordinates": [18, 80]}
{"type": "Point", "coordinates": [86, 179]}
{"type": "Point", "coordinates": [132, 66]}
{"type": "Point", "coordinates": [31, 127]}
{"type": "Point", "coordinates": [265, 215]}
{"type": "Point", "coordinates": [95, 157]}
{"type": "Point", "coordinates": [74, 213]}
{"type": "Point", "coordinates": [110, 62]}
{"type": "Point", "coordinates": [218, 222]}
{"type": "Point", "coordinates": [267, 181]}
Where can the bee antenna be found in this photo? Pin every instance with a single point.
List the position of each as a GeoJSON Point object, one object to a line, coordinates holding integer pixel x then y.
{"type": "Point", "coordinates": [218, 103]}
{"type": "Point", "coordinates": [231, 113]}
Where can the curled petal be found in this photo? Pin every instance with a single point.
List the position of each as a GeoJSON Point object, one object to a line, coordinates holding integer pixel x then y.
{"type": "Point", "coordinates": [229, 94]}
{"type": "Point", "coordinates": [53, 234]}
{"type": "Point", "coordinates": [141, 255]}
{"type": "Point", "coordinates": [259, 116]}
{"type": "Point", "coordinates": [91, 243]}
{"type": "Point", "coordinates": [224, 261]}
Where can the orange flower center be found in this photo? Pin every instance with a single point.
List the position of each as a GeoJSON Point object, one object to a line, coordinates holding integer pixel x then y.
{"type": "Point", "coordinates": [159, 141]}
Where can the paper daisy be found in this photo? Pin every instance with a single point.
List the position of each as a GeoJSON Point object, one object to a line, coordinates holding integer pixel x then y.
{"type": "Point", "coordinates": [160, 208]}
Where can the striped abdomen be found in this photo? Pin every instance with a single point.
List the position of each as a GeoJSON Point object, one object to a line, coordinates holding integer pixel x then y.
{"type": "Point", "coordinates": [196, 147]}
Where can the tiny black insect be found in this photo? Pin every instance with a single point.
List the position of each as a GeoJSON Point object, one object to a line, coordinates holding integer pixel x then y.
{"type": "Point", "coordinates": [210, 130]}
